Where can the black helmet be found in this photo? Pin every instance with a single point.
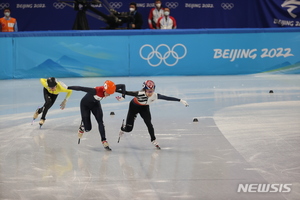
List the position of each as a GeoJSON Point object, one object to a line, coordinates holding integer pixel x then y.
{"type": "Point", "coordinates": [51, 82]}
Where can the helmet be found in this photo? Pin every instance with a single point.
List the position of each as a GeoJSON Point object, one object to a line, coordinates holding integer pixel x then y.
{"type": "Point", "coordinates": [148, 85]}
{"type": "Point", "coordinates": [109, 87]}
{"type": "Point", "coordinates": [51, 82]}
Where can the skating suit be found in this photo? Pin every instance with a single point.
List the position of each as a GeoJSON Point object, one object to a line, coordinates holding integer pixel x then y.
{"type": "Point", "coordinates": [50, 96]}
{"type": "Point", "coordinates": [140, 105]}
{"type": "Point", "coordinates": [90, 103]}
{"type": "Point", "coordinates": [60, 87]}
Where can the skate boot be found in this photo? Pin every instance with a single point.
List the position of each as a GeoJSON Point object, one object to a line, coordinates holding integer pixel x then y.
{"type": "Point", "coordinates": [36, 114]}
{"type": "Point", "coordinates": [80, 132]}
{"type": "Point", "coordinates": [155, 144]}
{"type": "Point", "coordinates": [121, 133]}
{"type": "Point", "coordinates": [106, 145]}
{"type": "Point", "coordinates": [42, 121]}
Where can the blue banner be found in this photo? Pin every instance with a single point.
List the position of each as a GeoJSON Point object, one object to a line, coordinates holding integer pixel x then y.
{"type": "Point", "coordinates": [37, 15]}
{"type": "Point", "coordinates": [71, 56]}
{"type": "Point", "coordinates": [214, 54]}
{"type": "Point", "coordinates": [281, 13]}
{"type": "Point", "coordinates": [163, 53]}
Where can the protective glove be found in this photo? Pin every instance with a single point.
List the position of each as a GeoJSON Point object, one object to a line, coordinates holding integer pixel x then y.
{"type": "Point", "coordinates": [184, 102]}
{"type": "Point", "coordinates": [120, 98]}
{"type": "Point", "coordinates": [63, 104]}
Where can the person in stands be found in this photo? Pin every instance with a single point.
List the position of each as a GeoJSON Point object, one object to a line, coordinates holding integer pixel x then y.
{"type": "Point", "coordinates": [167, 21]}
{"type": "Point", "coordinates": [155, 14]}
{"type": "Point", "coordinates": [136, 18]}
{"type": "Point", "coordinates": [8, 23]}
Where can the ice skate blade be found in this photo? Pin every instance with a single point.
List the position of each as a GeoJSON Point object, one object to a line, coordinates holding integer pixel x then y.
{"type": "Point", "coordinates": [107, 148]}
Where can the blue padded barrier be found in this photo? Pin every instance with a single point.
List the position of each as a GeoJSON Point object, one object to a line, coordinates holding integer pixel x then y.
{"type": "Point", "coordinates": [149, 52]}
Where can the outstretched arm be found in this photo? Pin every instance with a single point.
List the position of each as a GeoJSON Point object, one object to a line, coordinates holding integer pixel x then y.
{"type": "Point", "coordinates": [160, 96]}
{"type": "Point", "coordinates": [121, 88]}
{"type": "Point", "coordinates": [132, 93]}
{"type": "Point", "coordinates": [64, 88]}
{"type": "Point", "coordinates": [129, 93]}
{"type": "Point", "coordinates": [83, 89]}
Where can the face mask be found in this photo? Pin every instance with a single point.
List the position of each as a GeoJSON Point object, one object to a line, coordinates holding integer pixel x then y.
{"type": "Point", "coordinates": [7, 14]}
{"type": "Point", "coordinates": [167, 13]}
{"type": "Point", "coordinates": [158, 5]}
{"type": "Point", "coordinates": [131, 9]}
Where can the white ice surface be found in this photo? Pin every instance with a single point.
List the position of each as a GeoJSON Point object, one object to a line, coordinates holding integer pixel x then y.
{"type": "Point", "coordinates": [244, 134]}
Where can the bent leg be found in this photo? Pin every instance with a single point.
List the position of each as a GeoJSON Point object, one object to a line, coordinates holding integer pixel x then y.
{"type": "Point", "coordinates": [131, 116]}
{"type": "Point", "coordinates": [85, 115]}
{"type": "Point", "coordinates": [98, 113]}
{"type": "Point", "coordinates": [49, 101]}
{"type": "Point", "coordinates": [146, 115]}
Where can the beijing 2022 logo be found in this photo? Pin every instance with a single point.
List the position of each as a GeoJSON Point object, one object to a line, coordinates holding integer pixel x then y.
{"type": "Point", "coordinates": [163, 53]}
{"type": "Point", "coordinates": [291, 5]}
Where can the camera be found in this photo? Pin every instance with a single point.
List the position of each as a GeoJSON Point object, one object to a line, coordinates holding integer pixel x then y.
{"type": "Point", "coordinates": [113, 20]}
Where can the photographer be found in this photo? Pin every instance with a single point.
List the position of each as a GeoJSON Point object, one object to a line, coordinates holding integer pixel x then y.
{"type": "Point", "coordinates": [136, 19]}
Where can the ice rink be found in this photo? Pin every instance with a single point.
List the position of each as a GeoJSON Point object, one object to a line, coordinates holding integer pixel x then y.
{"type": "Point", "coordinates": [245, 136]}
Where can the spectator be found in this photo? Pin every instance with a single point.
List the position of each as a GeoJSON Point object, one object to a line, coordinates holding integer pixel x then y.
{"type": "Point", "coordinates": [155, 14]}
{"type": "Point", "coordinates": [167, 21]}
{"type": "Point", "coordinates": [7, 23]}
{"type": "Point", "coordinates": [136, 21]}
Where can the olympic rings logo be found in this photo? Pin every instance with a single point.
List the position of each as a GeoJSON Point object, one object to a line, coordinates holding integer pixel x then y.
{"type": "Point", "coordinates": [227, 6]}
{"type": "Point", "coordinates": [4, 5]}
{"type": "Point", "coordinates": [172, 4]}
{"type": "Point", "coordinates": [116, 5]}
{"type": "Point", "coordinates": [59, 5]}
{"type": "Point", "coordinates": [163, 57]}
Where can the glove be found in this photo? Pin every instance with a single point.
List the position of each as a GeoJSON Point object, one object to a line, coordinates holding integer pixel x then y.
{"type": "Point", "coordinates": [184, 102]}
{"type": "Point", "coordinates": [120, 98]}
{"type": "Point", "coordinates": [63, 104]}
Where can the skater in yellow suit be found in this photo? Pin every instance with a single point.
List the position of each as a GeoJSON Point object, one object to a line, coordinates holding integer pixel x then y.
{"type": "Point", "coordinates": [52, 87]}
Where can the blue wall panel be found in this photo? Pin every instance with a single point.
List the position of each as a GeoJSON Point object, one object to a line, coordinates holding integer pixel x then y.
{"type": "Point", "coordinates": [71, 56]}
{"type": "Point", "coordinates": [149, 53]}
{"type": "Point", "coordinates": [7, 58]}
{"type": "Point", "coordinates": [213, 54]}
